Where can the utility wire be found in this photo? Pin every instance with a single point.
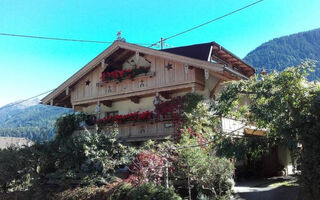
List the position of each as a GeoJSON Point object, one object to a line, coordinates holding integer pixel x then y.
{"type": "Point", "coordinates": [108, 42]}
{"type": "Point", "coordinates": [59, 39]}
{"type": "Point", "coordinates": [10, 105]}
{"type": "Point", "coordinates": [53, 38]}
{"type": "Point", "coordinates": [208, 22]}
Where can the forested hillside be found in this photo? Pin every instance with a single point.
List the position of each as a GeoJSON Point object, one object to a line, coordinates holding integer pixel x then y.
{"type": "Point", "coordinates": [30, 120]}
{"type": "Point", "coordinates": [286, 51]}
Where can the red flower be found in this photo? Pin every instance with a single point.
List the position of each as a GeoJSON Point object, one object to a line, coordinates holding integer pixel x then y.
{"type": "Point", "coordinates": [103, 76]}
{"type": "Point", "coordinates": [121, 73]}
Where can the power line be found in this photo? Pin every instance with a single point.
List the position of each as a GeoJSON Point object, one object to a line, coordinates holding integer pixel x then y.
{"type": "Point", "coordinates": [208, 22]}
{"type": "Point", "coordinates": [8, 106]}
{"type": "Point", "coordinates": [59, 39]}
{"type": "Point", "coordinates": [108, 42]}
{"type": "Point", "coordinates": [53, 38]}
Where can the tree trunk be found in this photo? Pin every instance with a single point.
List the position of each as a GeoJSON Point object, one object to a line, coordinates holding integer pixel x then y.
{"type": "Point", "coordinates": [189, 187]}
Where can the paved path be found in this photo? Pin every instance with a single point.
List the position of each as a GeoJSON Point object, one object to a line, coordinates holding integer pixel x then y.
{"type": "Point", "coordinates": [277, 188]}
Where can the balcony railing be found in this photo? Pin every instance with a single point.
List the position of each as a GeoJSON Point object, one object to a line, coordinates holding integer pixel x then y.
{"type": "Point", "coordinates": [139, 131]}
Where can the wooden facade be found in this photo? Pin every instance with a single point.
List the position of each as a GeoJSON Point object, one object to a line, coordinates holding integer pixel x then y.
{"type": "Point", "coordinates": [171, 72]}
{"type": "Point", "coordinates": [179, 77]}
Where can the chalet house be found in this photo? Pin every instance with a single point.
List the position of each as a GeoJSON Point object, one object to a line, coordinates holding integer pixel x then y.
{"type": "Point", "coordinates": [127, 81]}
{"type": "Point", "coordinates": [127, 78]}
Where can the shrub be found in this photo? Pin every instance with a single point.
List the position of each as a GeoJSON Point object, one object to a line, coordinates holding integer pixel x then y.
{"type": "Point", "coordinates": [65, 125]}
{"type": "Point", "coordinates": [148, 167]}
{"type": "Point", "coordinates": [147, 191]}
{"type": "Point", "coordinates": [16, 169]}
{"type": "Point", "coordinates": [87, 158]}
{"type": "Point", "coordinates": [208, 175]}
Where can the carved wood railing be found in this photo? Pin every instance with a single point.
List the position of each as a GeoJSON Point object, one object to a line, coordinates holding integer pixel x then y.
{"type": "Point", "coordinates": [139, 131]}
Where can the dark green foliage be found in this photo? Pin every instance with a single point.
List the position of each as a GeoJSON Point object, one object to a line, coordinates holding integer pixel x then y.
{"type": "Point", "coordinates": [87, 158]}
{"type": "Point", "coordinates": [243, 148]}
{"type": "Point", "coordinates": [67, 161]}
{"type": "Point", "coordinates": [210, 176]}
{"type": "Point", "coordinates": [67, 124]}
{"type": "Point", "coordinates": [145, 191]}
{"type": "Point", "coordinates": [287, 105]}
{"type": "Point", "coordinates": [287, 51]}
{"type": "Point", "coordinates": [190, 102]}
{"type": "Point", "coordinates": [206, 175]}
{"type": "Point", "coordinates": [16, 169]}
{"type": "Point", "coordinates": [32, 121]}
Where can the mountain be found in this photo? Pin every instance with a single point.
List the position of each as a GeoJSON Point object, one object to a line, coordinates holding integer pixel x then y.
{"type": "Point", "coordinates": [286, 51]}
{"type": "Point", "coordinates": [29, 119]}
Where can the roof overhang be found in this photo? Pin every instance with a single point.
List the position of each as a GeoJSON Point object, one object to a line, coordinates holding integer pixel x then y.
{"type": "Point", "coordinates": [232, 60]}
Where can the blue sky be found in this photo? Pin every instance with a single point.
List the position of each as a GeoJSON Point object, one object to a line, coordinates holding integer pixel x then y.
{"type": "Point", "coordinates": [29, 66]}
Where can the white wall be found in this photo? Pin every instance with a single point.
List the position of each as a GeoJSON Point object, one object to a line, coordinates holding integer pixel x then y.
{"type": "Point", "coordinates": [123, 107]}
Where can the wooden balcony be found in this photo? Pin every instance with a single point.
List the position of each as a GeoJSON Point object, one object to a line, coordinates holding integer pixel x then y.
{"type": "Point", "coordinates": [177, 78]}
{"type": "Point", "coordinates": [139, 131]}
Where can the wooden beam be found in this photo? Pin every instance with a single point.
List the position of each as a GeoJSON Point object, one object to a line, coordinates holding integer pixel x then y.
{"type": "Point", "coordinates": [225, 56]}
{"type": "Point", "coordinates": [231, 76]}
{"type": "Point", "coordinates": [135, 99]}
{"type": "Point", "coordinates": [237, 63]}
{"type": "Point", "coordinates": [77, 108]}
{"type": "Point", "coordinates": [67, 91]}
{"type": "Point", "coordinates": [119, 53]}
{"type": "Point", "coordinates": [165, 95]}
{"type": "Point", "coordinates": [215, 48]}
{"type": "Point", "coordinates": [215, 88]}
{"type": "Point", "coordinates": [64, 98]}
{"type": "Point", "coordinates": [232, 60]}
{"type": "Point", "coordinates": [221, 76]}
{"type": "Point", "coordinates": [103, 64]}
{"type": "Point", "coordinates": [107, 103]}
{"type": "Point", "coordinates": [206, 74]}
{"type": "Point", "coordinates": [51, 102]}
{"type": "Point", "coordinates": [124, 56]}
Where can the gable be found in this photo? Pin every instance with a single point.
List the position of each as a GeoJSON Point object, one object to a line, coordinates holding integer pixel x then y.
{"type": "Point", "coordinates": [119, 52]}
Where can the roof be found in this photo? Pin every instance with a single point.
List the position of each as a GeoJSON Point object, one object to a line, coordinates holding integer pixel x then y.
{"type": "Point", "coordinates": [6, 142]}
{"type": "Point", "coordinates": [197, 51]}
{"type": "Point", "coordinates": [195, 55]}
{"type": "Point", "coordinates": [211, 50]}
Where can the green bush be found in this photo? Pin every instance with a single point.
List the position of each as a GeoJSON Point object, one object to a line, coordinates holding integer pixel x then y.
{"type": "Point", "coordinates": [190, 101]}
{"type": "Point", "coordinates": [146, 191]}
{"type": "Point", "coordinates": [215, 178]}
{"type": "Point", "coordinates": [16, 169]}
{"type": "Point", "coordinates": [210, 177]}
{"type": "Point", "coordinates": [65, 125]}
{"type": "Point", "coordinates": [83, 159]}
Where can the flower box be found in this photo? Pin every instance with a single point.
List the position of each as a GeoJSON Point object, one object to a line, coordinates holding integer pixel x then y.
{"type": "Point", "coordinates": [130, 117]}
{"type": "Point", "coordinates": [120, 75]}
